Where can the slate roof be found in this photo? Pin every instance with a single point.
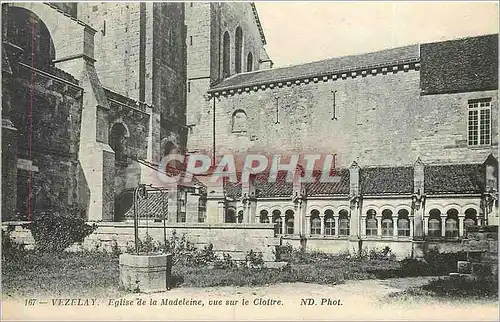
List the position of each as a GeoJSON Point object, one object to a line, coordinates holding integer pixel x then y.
{"type": "Point", "coordinates": [317, 68]}
{"type": "Point", "coordinates": [393, 180]}
{"type": "Point", "coordinates": [456, 178]}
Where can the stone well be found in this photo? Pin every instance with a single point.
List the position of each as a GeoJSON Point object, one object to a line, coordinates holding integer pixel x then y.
{"type": "Point", "coordinates": [146, 273]}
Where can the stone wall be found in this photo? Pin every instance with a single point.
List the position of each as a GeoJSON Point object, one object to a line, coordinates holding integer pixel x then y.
{"type": "Point", "coordinates": [47, 141]}
{"type": "Point", "coordinates": [116, 44]}
{"type": "Point", "coordinates": [169, 78]}
{"type": "Point", "coordinates": [381, 120]}
{"type": "Point", "coordinates": [206, 24]}
{"type": "Point", "coordinates": [233, 239]}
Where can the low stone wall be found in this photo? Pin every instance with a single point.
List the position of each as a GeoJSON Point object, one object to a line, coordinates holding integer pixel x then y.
{"type": "Point", "coordinates": [233, 239]}
{"type": "Point", "coordinates": [238, 239]}
{"type": "Point", "coordinates": [20, 234]}
{"type": "Point", "coordinates": [401, 248]}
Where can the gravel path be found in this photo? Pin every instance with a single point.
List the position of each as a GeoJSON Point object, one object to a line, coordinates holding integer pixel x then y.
{"type": "Point", "coordinates": [354, 300]}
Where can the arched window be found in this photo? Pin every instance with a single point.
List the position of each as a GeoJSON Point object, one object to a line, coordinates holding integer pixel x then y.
{"type": "Point", "coordinates": [117, 141]}
{"type": "Point", "coordinates": [240, 216]}
{"type": "Point", "coordinates": [264, 217]}
{"type": "Point", "coordinates": [239, 121]}
{"type": "Point", "coordinates": [470, 217]}
{"type": "Point", "coordinates": [387, 224]}
{"type": "Point", "coordinates": [451, 225]}
{"type": "Point", "coordinates": [289, 222]}
{"type": "Point", "coordinates": [434, 223]}
{"type": "Point", "coordinates": [226, 55]}
{"type": "Point", "coordinates": [230, 216]}
{"type": "Point", "coordinates": [403, 223]}
{"type": "Point", "coordinates": [278, 227]}
{"type": "Point", "coordinates": [344, 223]}
{"type": "Point", "coordinates": [238, 49]}
{"type": "Point", "coordinates": [329, 223]}
{"type": "Point", "coordinates": [371, 223]}
{"type": "Point", "coordinates": [249, 62]}
{"type": "Point", "coordinates": [315, 223]}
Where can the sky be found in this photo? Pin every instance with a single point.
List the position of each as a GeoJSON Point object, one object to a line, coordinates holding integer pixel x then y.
{"type": "Point", "coordinates": [299, 32]}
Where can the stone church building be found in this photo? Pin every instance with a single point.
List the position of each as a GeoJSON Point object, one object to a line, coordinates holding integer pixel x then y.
{"type": "Point", "coordinates": [94, 95]}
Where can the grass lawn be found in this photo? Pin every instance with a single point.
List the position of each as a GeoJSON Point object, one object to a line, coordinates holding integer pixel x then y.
{"type": "Point", "coordinates": [45, 274]}
{"type": "Point", "coordinates": [88, 274]}
{"type": "Point", "coordinates": [484, 289]}
{"type": "Point", "coordinates": [93, 273]}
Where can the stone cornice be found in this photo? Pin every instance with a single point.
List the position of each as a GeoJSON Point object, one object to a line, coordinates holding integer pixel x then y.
{"type": "Point", "coordinates": [259, 25]}
{"type": "Point", "coordinates": [392, 67]}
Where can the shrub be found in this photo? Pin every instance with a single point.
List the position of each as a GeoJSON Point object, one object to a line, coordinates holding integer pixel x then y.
{"type": "Point", "coordinates": [384, 254]}
{"type": "Point", "coordinates": [453, 288]}
{"type": "Point", "coordinates": [254, 260]}
{"type": "Point", "coordinates": [225, 263]}
{"type": "Point", "coordinates": [205, 256]}
{"type": "Point", "coordinates": [115, 249]}
{"type": "Point", "coordinates": [460, 287]}
{"type": "Point", "coordinates": [283, 251]}
{"type": "Point", "coordinates": [435, 264]}
{"type": "Point", "coordinates": [54, 232]}
{"type": "Point", "coordinates": [10, 249]}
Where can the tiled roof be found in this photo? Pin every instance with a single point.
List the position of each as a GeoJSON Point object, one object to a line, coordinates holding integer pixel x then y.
{"type": "Point", "coordinates": [375, 181]}
{"type": "Point", "coordinates": [329, 188]}
{"type": "Point", "coordinates": [153, 206]}
{"type": "Point", "coordinates": [456, 178]}
{"type": "Point", "coordinates": [123, 100]}
{"type": "Point", "coordinates": [319, 67]}
{"type": "Point", "coordinates": [279, 188]}
{"type": "Point", "coordinates": [282, 188]}
{"type": "Point", "coordinates": [233, 189]}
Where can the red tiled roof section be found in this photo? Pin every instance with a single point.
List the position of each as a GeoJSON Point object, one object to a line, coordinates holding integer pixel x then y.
{"type": "Point", "coordinates": [318, 68]}
{"type": "Point", "coordinates": [457, 178]}
{"type": "Point", "coordinates": [394, 180]}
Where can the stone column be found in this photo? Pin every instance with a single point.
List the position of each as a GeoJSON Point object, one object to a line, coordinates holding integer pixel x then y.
{"type": "Point", "coordinates": [363, 226]}
{"type": "Point", "coordinates": [220, 211]}
{"type": "Point", "coordinates": [379, 226]}
{"type": "Point", "coordinates": [461, 225]}
{"type": "Point", "coordinates": [322, 218]}
{"type": "Point", "coordinates": [9, 170]}
{"type": "Point", "coordinates": [426, 225]}
{"type": "Point", "coordinates": [308, 226]}
{"type": "Point", "coordinates": [336, 231]}
{"type": "Point", "coordinates": [192, 207]}
{"type": "Point", "coordinates": [419, 224]}
{"type": "Point", "coordinates": [246, 212]}
{"type": "Point", "coordinates": [443, 226]}
{"type": "Point", "coordinates": [283, 225]}
{"type": "Point", "coordinates": [355, 217]}
{"type": "Point", "coordinates": [252, 211]}
{"type": "Point", "coordinates": [395, 226]}
{"type": "Point", "coordinates": [172, 206]}
{"type": "Point", "coordinates": [411, 226]}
